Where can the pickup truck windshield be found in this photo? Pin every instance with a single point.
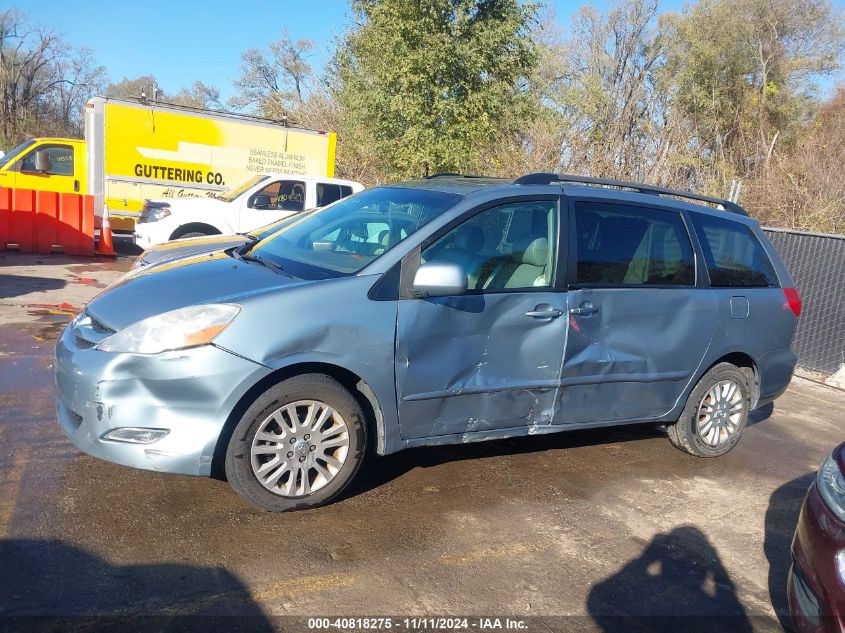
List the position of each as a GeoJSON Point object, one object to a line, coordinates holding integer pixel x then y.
{"type": "Point", "coordinates": [13, 153]}
{"type": "Point", "coordinates": [344, 237]}
{"type": "Point", "coordinates": [233, 192]}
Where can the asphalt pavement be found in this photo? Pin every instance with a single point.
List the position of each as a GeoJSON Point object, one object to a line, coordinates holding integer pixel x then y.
{"type": "Point", "coordinates": [587, 526]}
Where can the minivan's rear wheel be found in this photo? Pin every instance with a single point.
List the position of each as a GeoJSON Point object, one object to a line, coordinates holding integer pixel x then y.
{"type": "Point", "coordinates": [298, 445]}
{"type": "Point", "coordinates": [716, 413]}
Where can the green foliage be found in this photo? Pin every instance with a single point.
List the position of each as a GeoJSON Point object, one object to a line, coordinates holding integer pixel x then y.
{"type": "Point", "coordinates": [433, 85]}
{"type": "Point", "coordinates": [743, 71]}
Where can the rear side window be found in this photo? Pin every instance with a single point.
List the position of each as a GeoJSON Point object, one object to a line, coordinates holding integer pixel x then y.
{"type": "Point", "coordinates": [330, 192]}
{"type": "Point", "coordinates": [733, 253]}
{"type": "Point", "coordinates": [620, 245]}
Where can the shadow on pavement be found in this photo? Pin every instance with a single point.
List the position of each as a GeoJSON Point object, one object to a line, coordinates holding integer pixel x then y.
{"type": "Point", "coordinates": [781, 519]}
{"type": "Point", "coordinates": [761, 415]}
{"type": "Point", "coordinates": [17, 285]}
{"type": "Point", "coordinates": [378, 471]}
{"type": "Point", "coordinates": [677, 584]}
{"type": "Point", "coordinates": [49, 585]}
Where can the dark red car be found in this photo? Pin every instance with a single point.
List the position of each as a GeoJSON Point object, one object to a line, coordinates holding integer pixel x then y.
{"type": "Point", "coordinates": [817, 576]}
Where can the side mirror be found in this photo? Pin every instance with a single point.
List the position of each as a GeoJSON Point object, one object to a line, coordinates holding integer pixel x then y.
{"type": "Point", "coordinates": [42, 160]}
{"type": "Point", "coordinates": [440, 279]}
{"type": "Point", "coordinates": [261, 201]}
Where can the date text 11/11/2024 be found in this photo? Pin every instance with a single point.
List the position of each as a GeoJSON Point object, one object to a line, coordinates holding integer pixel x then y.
{"type": "Point", "coordinates": [418, 623]}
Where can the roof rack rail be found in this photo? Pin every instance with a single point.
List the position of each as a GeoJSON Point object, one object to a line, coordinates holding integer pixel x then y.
{"type": "Point", "coordinates": [450, 174]}
{"type": "Point", "coordinates": [544, 178]}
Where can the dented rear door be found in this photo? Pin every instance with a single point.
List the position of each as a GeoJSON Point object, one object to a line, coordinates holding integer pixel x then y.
{"type": "Point", "coordinates": [640, 318]}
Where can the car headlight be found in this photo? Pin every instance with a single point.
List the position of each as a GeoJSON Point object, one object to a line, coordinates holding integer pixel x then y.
{"type": "Point", "coordinates": [177, 329]}
{"type": "Point", "coordinates": [153, 214]}
{"type": "Point", "coordinates": [831, 485]}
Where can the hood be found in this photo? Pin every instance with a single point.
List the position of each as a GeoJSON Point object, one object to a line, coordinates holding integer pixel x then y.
{"type": "Point", "coordinates": [188, 247]}
{"type": "Point", "coordinates": [208, 278]}
{"type": "Point", "coordinates": [204, 203]}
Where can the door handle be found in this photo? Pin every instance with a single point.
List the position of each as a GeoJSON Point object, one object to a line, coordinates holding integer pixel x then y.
{"type": "Point", "coordinates": [544, 311]}
{"type": "Point", "coordinates": [585, 309]}
{"type": "Point", "coordinates": [76, 186]}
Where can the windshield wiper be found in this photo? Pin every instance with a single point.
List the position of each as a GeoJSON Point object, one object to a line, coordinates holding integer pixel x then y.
{"type": "Point", "coordinates": [249, 257]}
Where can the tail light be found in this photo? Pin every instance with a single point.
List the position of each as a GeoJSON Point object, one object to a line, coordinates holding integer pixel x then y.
{"type": "Point", "coordinates": [792, 300]}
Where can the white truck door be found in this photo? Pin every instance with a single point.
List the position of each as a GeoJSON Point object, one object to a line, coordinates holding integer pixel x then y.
{"type": "Point", "coordinates": [272, 201]}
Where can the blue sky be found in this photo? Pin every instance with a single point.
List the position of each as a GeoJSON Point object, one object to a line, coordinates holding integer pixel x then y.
{"type": "Point", "coordinates": [179, 41]}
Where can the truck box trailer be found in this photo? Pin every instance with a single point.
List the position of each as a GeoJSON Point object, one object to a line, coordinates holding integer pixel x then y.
{"type": "Point", "coordinates": [135, 150]}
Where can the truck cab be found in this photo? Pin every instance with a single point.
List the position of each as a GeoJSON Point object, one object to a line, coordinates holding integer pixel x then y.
{"type": "Point", "coordinates": [253, 203]}
{"type": "Point", "coordinates": [46, 164]}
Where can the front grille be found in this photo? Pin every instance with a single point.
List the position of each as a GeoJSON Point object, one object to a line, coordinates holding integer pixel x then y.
{"type": "Point", "coordinates": [87, 331]}
{"type": "Point", "coordinates": [81, 342]}
{"type": "Point", "coordinates": [100, 327]}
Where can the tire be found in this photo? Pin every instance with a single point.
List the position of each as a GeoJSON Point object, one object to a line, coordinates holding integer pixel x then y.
{"type": "Point", "coordinates": [699, 433]}
{"type": "Point", "coordinates": [191, 234]}
{"type": "Point", "coordinates": [305, 452]}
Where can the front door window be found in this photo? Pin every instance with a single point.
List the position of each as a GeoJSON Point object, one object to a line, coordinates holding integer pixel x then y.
{"type": "Point", "coordinates": [52, 160]}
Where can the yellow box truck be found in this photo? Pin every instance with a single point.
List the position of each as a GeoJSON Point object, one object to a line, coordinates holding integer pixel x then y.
{"type": "Point", "coordinates": [134, 150]}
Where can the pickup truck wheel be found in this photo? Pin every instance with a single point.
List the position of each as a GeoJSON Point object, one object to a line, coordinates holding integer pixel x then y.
{"type": "Point", "coordinates": [191, 234]}
{"type": "Point", "coordinates": [298, 445]}
{"type": "Point", "coordinates": [715, 414]}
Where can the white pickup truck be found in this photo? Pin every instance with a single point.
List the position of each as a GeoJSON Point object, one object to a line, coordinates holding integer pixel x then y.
{"type": "Point", "coordinates": [240, 209]}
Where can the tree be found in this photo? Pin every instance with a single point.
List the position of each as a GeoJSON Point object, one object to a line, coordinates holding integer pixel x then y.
{"type": "Point", "coordinates": [536, 143]}
{"type": "Point", "coordinates": [432, 86]}
{"type": "Point", "coordinates": [199, 95]}
{"type": "Point", "coordinates": [744, 72]}
{"type": "Point", "coordinates": [82, 78]}
{"type": "Point", "coordinates": [133, 88]}
{"type": "Point", "coordinates": [27, 57]}
{"type": "Point", "coordinates": [44, 82]}
{"type": "Point", "coordinates": [803, 187]}
{"type": "Point", "coordinates": [272, 84]}
{"type": "Point", "coordinates": [608, 94]}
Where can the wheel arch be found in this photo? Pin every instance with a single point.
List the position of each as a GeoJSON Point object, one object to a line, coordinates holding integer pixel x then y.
{"type": "Point", "coordinates": [746, 362]}
{"type": "Point", "coordinates": [188, 227]}
{"type": "Point", "coordinates": [358, 387]}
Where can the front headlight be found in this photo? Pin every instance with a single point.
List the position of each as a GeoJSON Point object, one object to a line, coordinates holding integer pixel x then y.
{"type": "Point", "coordinates": [153, 214]}
{"type": "Point", "coordinates": [177, 329]}
{"type": "Point", "coordinates": [831, 485]}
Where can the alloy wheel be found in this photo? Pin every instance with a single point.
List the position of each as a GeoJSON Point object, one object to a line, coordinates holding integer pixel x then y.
{"type": "Point", "coordinates": [299, 448]}
{"type": "Point", "coordinates": [720, 412]}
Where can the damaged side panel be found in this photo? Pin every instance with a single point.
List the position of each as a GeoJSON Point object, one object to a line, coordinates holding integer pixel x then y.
{"type": "Point", "coordinates": [633, 355]}
{"type": "Point", "coordinates": [476, 363]}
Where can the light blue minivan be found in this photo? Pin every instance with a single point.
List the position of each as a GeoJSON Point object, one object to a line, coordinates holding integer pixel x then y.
{"type": "Point", "coordinates": [448, 310]}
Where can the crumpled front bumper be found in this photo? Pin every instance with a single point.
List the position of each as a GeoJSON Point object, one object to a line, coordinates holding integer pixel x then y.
{"type": "Point", "coordinates": [190, 392]}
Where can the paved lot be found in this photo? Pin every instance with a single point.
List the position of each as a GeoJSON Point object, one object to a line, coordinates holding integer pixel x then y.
{"type": "Point", "coordinates": [585, 524]}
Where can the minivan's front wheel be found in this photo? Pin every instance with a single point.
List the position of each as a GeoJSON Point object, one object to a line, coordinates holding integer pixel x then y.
{"type": "Point", "coordinates": [298, 445]}
{"type": "Point", "coordinates": [716, 413]}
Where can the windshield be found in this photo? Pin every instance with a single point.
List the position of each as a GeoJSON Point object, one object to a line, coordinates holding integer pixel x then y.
{"type": "Point", "coordinates": [263, 232]}
{"type": "Point", "coordinates": [342, 238]}
{"type": "Point", "coordinates": [13, 153]}
{"type": "Point", "coordinates": [233, 192]}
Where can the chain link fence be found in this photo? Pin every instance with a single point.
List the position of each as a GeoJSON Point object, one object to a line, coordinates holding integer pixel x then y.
{"type": "Point", "coordinates": [817, 264]}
